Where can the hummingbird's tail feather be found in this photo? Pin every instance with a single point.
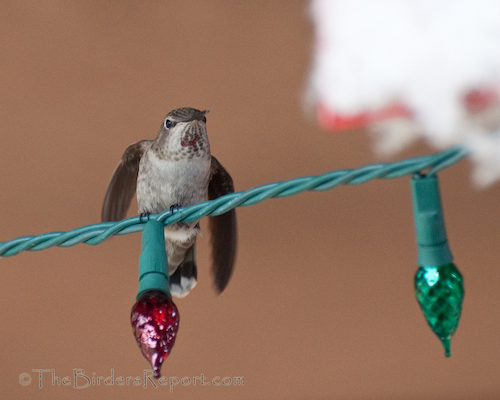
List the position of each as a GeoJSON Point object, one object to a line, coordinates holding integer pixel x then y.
{"type": "Point", "coordinates": [185, 276]}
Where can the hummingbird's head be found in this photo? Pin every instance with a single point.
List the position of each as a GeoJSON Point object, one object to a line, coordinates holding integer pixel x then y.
{"type": "Point", "coordinates": [183, 134]}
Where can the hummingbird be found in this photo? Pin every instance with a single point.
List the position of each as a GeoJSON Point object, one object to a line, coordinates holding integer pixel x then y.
{"type": "Point", "coordinates": [177, 170]}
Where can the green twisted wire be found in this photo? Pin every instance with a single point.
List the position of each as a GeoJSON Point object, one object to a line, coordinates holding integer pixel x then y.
{"type": "Point", "coordinates": [98, 233]}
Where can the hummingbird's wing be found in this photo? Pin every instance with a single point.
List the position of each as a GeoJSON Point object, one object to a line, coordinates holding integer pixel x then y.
{"type": "Point", "coordinates": [121, 189]}
{"type": "Point", "coordinates": [222, 227]}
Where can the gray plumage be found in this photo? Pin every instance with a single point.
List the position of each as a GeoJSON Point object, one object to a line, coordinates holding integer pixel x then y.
{"type": "Point", "coordinates": [177, 169]}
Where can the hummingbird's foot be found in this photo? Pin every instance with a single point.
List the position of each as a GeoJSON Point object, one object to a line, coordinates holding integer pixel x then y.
{"type": "Point", "coordinates": [172, 208]}
{"type": "Point", "coordinates": [145, 214]}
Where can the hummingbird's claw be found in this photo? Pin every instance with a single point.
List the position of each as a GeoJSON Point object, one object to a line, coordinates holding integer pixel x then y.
{"type": "Point", "coordinates": [145, 214]}
{"type": "Point", "coordinates": [172, 208]}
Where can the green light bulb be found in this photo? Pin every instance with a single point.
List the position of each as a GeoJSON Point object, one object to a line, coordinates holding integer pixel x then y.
{"type": "Point", "coordinates": [438, 283]}
{"type": "Point", "coordinates": [440, 293]}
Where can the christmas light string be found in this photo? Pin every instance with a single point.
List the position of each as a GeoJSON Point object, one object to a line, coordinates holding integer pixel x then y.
{"type": "Point", "coordinates": [98, 233]}
{"type": "Point", "coordinates": [155, 317]}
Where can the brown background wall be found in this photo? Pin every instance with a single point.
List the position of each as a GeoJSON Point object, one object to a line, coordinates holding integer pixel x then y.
{"type": "Point", "coordinates": [321, 304]}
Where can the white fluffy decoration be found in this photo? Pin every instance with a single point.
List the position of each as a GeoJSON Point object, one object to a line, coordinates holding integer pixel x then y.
{"type": "Point", "coordinates": [426, 55]}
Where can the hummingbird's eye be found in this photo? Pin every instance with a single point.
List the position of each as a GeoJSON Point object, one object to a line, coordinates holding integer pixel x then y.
{"type": "Point", "coordinates": [168, 123]}
{"type": "Point", "coordinates": [205, 119]}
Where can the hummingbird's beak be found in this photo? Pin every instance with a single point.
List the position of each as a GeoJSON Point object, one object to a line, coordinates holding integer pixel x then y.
{"type": "Point", "coordinates": [198, 115]}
